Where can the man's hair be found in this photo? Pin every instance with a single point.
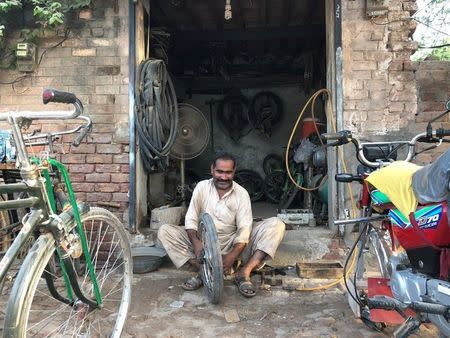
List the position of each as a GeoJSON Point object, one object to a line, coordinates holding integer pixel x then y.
{"type": "Point", "coordinates": [224, 157]}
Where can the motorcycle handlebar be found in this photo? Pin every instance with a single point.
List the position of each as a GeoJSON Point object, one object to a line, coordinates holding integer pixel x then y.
{"type": "Point", "coordinates": [346, 137]}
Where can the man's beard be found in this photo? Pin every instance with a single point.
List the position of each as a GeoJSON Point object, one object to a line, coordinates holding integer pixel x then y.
{"type": "Point", "coordinates": [223, 184]}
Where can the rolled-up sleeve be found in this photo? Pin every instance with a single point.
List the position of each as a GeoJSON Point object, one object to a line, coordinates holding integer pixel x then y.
{"type": "Point", "coordinates": [244, 219]}
{"type": "Point", "coordinates": [194, 210]}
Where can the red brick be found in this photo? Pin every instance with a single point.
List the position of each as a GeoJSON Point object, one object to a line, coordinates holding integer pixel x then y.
{"type": "Point", "coordinates": [73, 158]}
{"type": "Point", "coordinates": [98, 196]}
{"type": "Point", "coordinates": [107, 187]}
{"type": "Point", "coordinates": [84, 187]}
{"type": "Point", "coordinates": [122, 158]}
{"type": "Point", "coordinates": [120, 197]}
{"type": "Point", "coordinates": [96, 158]}
{"type": "Point", "coordinates": [100, 138]}
{"type": "Point", "coordinates": [124, 187]}
{"type": "Point", "coordinates": [77, 177]}
{"type": "Point", "coordinates": [120, 178]}
{"type": "Point", "coordinates": [83, 149]}
{"type": "Point", "coordinates": [81, 168]}
{"type": "Point", "coordinates": [103, 128]}
{"type": "Point", "coordinates": [80, 196]}
{"type": "Point", "coordinates": [107, 168]}
{"type": "Point", "coordinates": [95, 177]}
{"type": "Point", "coordinates": [109, 148]}
{"type": "Point", "coordinates": [125, 168]}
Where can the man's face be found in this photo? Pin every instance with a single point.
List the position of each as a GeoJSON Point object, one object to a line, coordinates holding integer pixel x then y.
{"type": "Point", "coordinates": [223, 174]}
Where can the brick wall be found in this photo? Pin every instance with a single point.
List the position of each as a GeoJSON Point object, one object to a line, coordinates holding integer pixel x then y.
{"type": "Point", "coordinates": [93, 64]}
{"type": "Point", "coordinates": [379, 87]}
{"type": "Point", "coordinates": [433, 91]}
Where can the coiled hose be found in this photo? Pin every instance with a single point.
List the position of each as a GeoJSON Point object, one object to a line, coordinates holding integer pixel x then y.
{"type": "Point", "coordinates": [156, 114]}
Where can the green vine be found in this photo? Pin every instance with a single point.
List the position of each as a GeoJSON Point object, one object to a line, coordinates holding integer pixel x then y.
{"type": "Point", "coordinates": [48, 15]}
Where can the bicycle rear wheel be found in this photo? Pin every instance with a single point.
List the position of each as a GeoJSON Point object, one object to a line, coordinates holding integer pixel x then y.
{"type": "Point", "coordinates": [32, 310]}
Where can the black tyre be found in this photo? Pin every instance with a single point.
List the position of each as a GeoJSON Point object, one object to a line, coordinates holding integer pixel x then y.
{"type": "Point", "coordinates": [33, 311]}
{"type": "Point", "coordinates": [266, 110]}
{"type": "Point", "coordinates": [252, 182]}
{"type": "Point", "coordinates": [290, 191]}
{"type": "Point", "coordinates": [272, 162]}
{"type": "Point", "coordinates": [211, 267]}
{"type": "Point", "coordinates": [273, 186]}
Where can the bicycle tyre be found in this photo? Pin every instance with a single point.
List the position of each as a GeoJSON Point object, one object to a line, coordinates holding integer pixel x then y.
{"type": "Point", "coordinates": [211, 268]}
{"type": "Point", "coordinates": [25, 306]}
{"type": "Point", "coordinates": [273, 186]}
{"type": "Point", "coordinates": [288, 196]}
{"type": "Point", "coordinates": [272, 162]}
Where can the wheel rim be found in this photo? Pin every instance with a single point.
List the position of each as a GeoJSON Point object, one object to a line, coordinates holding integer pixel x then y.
{"type": "Point", "coordinates": [211, 268]}
{"type": "Point", "coordinates": [49, 317]}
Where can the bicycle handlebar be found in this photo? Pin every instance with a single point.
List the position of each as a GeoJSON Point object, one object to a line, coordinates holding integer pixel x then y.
{"type": "Point", "coordinates": [49, 95]}
{"type": "Point", "coordinates": [85, 128]}
{"type": "Point", "coordinates": [56, 96]}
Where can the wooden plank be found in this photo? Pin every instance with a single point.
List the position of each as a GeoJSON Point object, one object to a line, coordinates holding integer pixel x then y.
{"type": "Point", "coordinates": [320, 269]}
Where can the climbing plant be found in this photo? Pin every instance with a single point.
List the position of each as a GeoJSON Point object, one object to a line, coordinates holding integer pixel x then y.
{"type": "Point", "coordinates": [47, 15]}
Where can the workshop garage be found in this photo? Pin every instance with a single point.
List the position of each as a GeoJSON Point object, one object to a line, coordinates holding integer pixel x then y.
{"type": "Point", "coordinates": [241, 72]}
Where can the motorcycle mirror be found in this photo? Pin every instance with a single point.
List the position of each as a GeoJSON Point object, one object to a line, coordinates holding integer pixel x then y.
{"type": "Point", "coordinates": [447, 105]}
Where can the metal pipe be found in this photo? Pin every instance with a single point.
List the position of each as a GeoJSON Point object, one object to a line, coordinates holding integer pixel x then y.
{"type": "Point", "coordinates": [339, 93]}
{"type": "Point", "coordinates": [13, 187]}
{"type": "Point", "coordinates": [20, 145]}
{"type": "Point", "coordinates": [19, 204]}
{"type": "Point", "coordinates": [360, 219]}
{"type": "Point", "coordinates": [131, 120]}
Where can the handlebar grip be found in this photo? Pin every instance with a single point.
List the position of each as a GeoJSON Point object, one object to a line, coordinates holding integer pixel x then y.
{"type": "Point", "coordinates": [52, 95]}
{"type": "Point", "coordinates": [331, 136]}
{"type": "Point", "coordinates": [339, 138]}
{"type": "Point", "coordinates": [81, 136]}
{"type": "Point", "coordinates": [441, 132]}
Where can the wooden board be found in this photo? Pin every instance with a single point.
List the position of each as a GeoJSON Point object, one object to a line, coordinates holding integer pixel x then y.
{"type": "Point", "coordinates": [320, 269]}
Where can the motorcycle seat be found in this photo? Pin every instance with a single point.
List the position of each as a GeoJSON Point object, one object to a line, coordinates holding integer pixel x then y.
{"type": "Point", "coordinates": [432, 182]}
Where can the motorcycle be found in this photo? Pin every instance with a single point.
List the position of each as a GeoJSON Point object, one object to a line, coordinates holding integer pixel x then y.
{"type": "Point", "coordinates": [411, 251]}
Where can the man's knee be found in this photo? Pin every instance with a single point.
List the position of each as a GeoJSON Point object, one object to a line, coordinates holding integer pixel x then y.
{"type": "Point", "coordinates": [276, 223]}
{"type": "Point", "coordinates": [164, 232]}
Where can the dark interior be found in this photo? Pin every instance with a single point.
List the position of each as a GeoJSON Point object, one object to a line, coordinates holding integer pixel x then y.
{"type": "Point", "coordinates": [269, 58]}
{"type": "Point", "coordinates": [281, 41]}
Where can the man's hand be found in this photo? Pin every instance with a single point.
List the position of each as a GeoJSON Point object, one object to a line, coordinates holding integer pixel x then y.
{"type": "Point", "coordinates": [198, 248]}
{"type": "Point", "coordinates": [227, 262]}
{"type": "Point", "coordinates": [196, 243]}
{"type": "Point", "coordinates": [231, 257]}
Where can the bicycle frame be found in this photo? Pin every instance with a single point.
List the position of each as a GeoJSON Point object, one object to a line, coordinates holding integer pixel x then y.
{"type": "Point", "coordinates": [41, 200]}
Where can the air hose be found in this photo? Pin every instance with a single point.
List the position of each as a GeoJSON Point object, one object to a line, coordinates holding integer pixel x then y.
{"type": "Point", "coordinates": [330, 113]}
{"type": "Point", "coordinates": [156, 114]}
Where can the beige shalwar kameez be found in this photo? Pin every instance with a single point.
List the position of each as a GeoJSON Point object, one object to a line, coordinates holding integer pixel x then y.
{"type": "Point", "coordinates": [232, 216]}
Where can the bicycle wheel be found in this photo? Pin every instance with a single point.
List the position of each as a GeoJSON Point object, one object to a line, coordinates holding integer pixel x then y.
{"type": "Point", "coordinates": [273, 186]}
{"type": "Point", "coordinates": [211, 268]}
{"type": "Point", "coordinates": [32, 310]}
{"type": "Point", "coordinates": [290, 191]}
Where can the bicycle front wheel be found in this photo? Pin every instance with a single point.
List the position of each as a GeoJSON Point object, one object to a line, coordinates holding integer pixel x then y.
{"type": "Point", "coordinates": [33, 311]}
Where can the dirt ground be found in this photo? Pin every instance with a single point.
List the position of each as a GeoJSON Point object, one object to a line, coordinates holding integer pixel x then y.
{"type": "Point", "coordinates": [161, 308]}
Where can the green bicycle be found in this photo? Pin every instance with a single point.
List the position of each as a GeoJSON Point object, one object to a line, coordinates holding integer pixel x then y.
{"type": "Point", "coordinates": [76, 278]}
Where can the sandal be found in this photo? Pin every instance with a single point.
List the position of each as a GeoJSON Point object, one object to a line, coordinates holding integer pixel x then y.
{"type": "Point", "coordinates": [245, 287]}
{"type": "Point", "coordinates": [192, 283]}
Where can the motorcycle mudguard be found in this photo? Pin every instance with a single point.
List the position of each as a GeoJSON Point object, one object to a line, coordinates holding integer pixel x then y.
{"type": "Point", "coordinates": [380, 287]}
